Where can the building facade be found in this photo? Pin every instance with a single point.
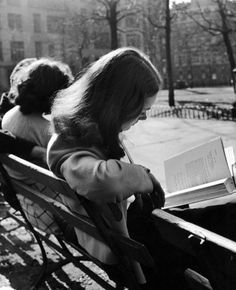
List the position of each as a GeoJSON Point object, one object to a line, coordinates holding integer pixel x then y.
{"type": "Point", "coordinates": [61, 29]}
{"type": "Point", "coordinates": [199, 55]}
{"type": "Point", "coordinates": [36, 28]}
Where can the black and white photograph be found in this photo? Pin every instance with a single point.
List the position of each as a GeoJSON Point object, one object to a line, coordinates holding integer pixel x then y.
{"type": "Point", "coordinates": [118, 144]}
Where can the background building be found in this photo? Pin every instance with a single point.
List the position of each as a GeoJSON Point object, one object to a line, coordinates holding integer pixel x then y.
{"type": "Point", "coordinates": [30, 28]}
{"type": "Point", "coordinates": [67, 30]}
{"type": "Point", "coordinates": [199, 53]}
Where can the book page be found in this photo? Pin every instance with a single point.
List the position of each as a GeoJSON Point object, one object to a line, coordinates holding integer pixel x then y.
{"type": "Point", "coordinates": [230, 157]}
{"type": "Point", "coordinates": [199, 165]}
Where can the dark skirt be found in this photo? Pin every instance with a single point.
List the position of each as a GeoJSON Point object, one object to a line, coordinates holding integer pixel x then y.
{"type": "Point", "coordinates": [215, 263]}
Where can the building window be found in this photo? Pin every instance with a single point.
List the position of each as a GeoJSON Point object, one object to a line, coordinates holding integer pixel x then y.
{"type": "Point", "coordinates": [103, 41]}
{"type": "Point", "coordinates": [15, 21]}
{"type": "Point", "coordinates": [176, 59]}
{"type": "Point", "coordinates": [196, 58]}
{"type": "Point", "coordinates": [17, 50]}
{"type": "Point", "coordinates": [184, 57]}
{"type": "Point", "coordinates": [120, 39]}
{"type": "Point", "coordinates": [35, 3]}
{"type": "Point", "coordinates": [1, 53]}
{"type": "Point", "coordinates": [83, 11]}
{"type": "Point", "coordinates": [133, 40]}
{"type": "Point", "coordinates": [132, 21]}
{"type": "Point", "coordinates": [13, 2]}
{"type": "Point", "coordinates": [38, 49]}
{"type": "Point", "coordinates": [37, 23]}
{"type": "Point", "coordinates": [214, 76]}
{"type": "Point", "coordinates": [55, 24]}
{"type": "Point", "coordinates": [51, 50]}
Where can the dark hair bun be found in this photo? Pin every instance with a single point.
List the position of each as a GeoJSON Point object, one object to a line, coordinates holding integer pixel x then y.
{"type": "Point", "coordinates": [44, 79]}
{"type": "Point", "coordinates": [26, 99]}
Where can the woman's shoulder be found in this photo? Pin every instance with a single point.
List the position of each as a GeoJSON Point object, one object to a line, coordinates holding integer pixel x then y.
{"type": "Point", "coordinates": [13, 111]}
{"type": "Point", "coordinates": [15, 118]}
{"type": "Point", "coordinates": [16, 114]}
{"type": "Point", "coordinates": [32, 127]}
{"type": "Point", "coordinates": [11, 115]}
{"type": "Point", "coordinates": [59, 150]}
{"type": "Point", "coordinates": [58, 142]}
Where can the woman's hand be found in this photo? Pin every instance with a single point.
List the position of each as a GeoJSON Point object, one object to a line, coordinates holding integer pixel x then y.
{"type": "Point", "coordinates": [147, 202]}
{"type": "Point", "coordinates": [158, 194]}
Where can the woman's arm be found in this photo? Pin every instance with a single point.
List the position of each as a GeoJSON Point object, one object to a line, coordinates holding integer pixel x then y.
{"type": "Point", "coordinates": [20, 147]}
{"type": "Point", "coordinates": [104, 181]}
{"type": "Point", "coordinates": [12, 144]}
{"type": "Point", "coordinates": [88, 172]}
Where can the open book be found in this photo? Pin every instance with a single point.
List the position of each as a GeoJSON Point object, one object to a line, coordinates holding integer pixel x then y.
{"type": "Point", "coordinates": [201, 173]}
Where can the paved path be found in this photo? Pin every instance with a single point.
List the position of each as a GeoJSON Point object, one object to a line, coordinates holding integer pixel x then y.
{"type": "Point", "coordinates": [207, 94]}
{"type": "Point", "coordinates": [215, 95]}
{"type": "Point", "coordinates": [152, 141]}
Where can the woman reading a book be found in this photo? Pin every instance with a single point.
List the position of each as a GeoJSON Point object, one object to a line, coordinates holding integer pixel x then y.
{"type": "Point", "coordinates": [109, 97]}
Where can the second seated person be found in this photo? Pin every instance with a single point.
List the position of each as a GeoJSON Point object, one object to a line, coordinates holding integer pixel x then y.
{"type": "Point", "coordinates": [41, 81]}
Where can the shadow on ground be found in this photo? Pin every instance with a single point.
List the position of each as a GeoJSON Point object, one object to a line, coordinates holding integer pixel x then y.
{"type": "Point", "coordinates": [20, 263]}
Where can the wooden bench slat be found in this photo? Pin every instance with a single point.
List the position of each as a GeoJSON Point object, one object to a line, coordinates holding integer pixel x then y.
{"type": "Point", "coordinates": [57, 209]}
{"type": "Point", "coordinates": [197, 281]}
{"type": "Point", "coordinates": [97, 227]}
{"type": "Point", "coordinates": [192, 229]}
{"type": "Point", "coordinates": [36, 173]}
{"type": "Point", "coordinates": [133, 249]}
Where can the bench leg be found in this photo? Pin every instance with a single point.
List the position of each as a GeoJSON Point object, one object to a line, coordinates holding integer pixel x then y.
{"type": "Point", "coordinates": [197, 281]}
{"type": "Point", "coordinates": [42, 273]}
{"type": "Point", "coordinates": [41, 277]}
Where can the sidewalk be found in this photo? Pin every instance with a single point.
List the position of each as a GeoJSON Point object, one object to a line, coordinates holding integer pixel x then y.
{"type": "Point", "coordinates": [202, 94]}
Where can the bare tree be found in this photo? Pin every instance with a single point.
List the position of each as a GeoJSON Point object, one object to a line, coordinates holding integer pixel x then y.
{"type": "Point", "coordinates": [152, 45]}
{"type": "Point", "coordinates": [189, 47]}
{"type": "Point", "coordinates": [80, 35]}
{"type": "Point", "coordinates": [113, 12]}
{"type": "Point", "coordinates": [218, 22]}
{"type": "Point", "coordinates": [75, 36]}
{"type": "Point", "coordinates": [168, 53]}
{"type": "Point", "coordinates": [159, 16]}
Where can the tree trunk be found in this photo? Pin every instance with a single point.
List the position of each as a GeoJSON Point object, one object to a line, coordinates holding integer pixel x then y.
{"type": "Point", "coordinates": [113, 24]}
{"type": "Point", "coordinates": [225, 34]}
{"type": "Point", "coordinates": [168, 55]}
{"type": "Point", "coordinates": [230, 54]}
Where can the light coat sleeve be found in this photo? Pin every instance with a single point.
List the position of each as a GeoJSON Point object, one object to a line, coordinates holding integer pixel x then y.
{"type": "Point", "coordinates": [104, 181]}
{"type": "Point", "coordinates": [98, 179]}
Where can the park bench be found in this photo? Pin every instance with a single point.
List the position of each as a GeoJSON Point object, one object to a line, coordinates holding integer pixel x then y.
{"type": "Point", "coordinates": [174, 230]}
{"type": "Point", "coordinates": [125, 249]}
{"type": "Point", "coordinates": [197, 242]}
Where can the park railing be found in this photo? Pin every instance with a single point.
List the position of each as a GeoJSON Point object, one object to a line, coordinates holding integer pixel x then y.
{"type": "Point", "coordinates": [193, 112]}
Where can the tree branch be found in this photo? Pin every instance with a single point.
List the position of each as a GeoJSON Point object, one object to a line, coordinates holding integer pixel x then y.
{"type": "Point", "coordinates": [131, 13]}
